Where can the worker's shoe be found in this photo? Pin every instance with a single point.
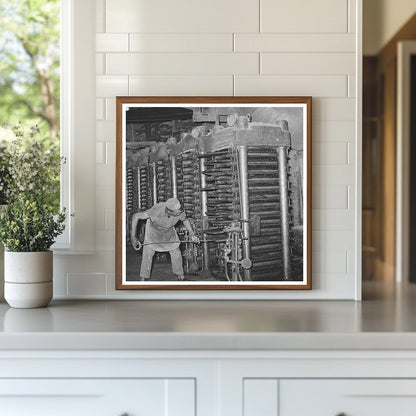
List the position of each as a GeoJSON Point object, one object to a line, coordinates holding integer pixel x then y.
{"type": "Point", "coordinates": [180, 278]}
{"type": "Point", "coordinates": [144, 279]}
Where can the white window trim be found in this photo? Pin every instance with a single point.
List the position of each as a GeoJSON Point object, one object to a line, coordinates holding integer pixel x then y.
{"type": "Point", "coordinates": [78, 126]}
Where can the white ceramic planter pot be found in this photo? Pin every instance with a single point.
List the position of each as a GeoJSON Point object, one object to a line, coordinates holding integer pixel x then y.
{"type": "Point", "coordinates": [1, 271]}
{"type": "Point", "coordinates": [28, 279]}
{"type": "Point", "coordinates": [2, 210]}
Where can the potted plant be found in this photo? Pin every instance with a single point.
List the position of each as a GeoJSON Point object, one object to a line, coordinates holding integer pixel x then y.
{"type": "Point", "coordinates": [32, 220]}
{"type": "Point", "coordinates": [28, 228]}
{"type": "Point", "coordinates": [5, 180]}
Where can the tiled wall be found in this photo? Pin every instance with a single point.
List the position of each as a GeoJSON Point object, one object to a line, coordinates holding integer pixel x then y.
{"type": "Point", "coordinates": [232, 47]}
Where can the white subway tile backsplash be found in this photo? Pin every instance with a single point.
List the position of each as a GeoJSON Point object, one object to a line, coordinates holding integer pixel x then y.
{"type": "Point", "coordinates": [100, 15]}
{"type": "Point", "coordinates": [86, 284]}
{"type": "Point", "coordinates": [99, 63]}
{"type": "Point", "coordinates": [60, 284]}
{"type": "Point", "coordinates": [100, 218]}
{"type": "Point", "coordinates": [329, 197]}
{"type": "Point", "coordinates": [333, 175]}
{"type": "Point", "coordinates": [307, 63]}
{"type": "Point", "coordinates": [105, 130]}
{"type": "Point", "coordinates": [314, 85]}
{"type": "Point", "coordinates": [105, 175]}
{"type": "Point", "coordinates": [182, 42]}
{"type": "Point", "coordinates": [351, 86]}
{"type": "Point", "coordinates": [329, 262]}
{"type": "Point", "coordinates": [330, 131]}
{"type": "Point", "coordinates": [330, 153]}
{"type": "Point", "coordinates": [184, 48]}
{"type": "Point", "coordinates": [104, 196]}
{"type": "Point", "coordinates": [110, 109]}
{"type": "Point", "coordinates": [109, 218]}
{"type": "Point", "coordinates": [99, 109]}
{"type": "Point", "coordinates": [340, 109]}
{"type": "Point", "coordinates": [294, 42]}
{"type": "Point", "coordinates": [111, 86]}
{"type": "Point", "coordinates": [351, 153]}
{"type": "Point", "coordinates": [100, 156]}
{"type": "Point", "coordinates": [182, 63]}
{"type": "Point", "coordinates": [300, 16]}
{"type": "Point", "coordinates": [181, 85]}
{"type": "Point", "coordinates": [99, 262]}
{"type": "Point", "coordinates": [111, 153]}
{"type": "Point", "coordinates": [182, 16]}
{"type": "Point", "coordinates": [352, 16]}
{"type": "Point", "coordinates": [351, 197]}
{"type": "Point", "coordinates": [112, 42]}
{"type": "Point", "coordinates": [337, 285]}
{"type": "Point", "coordinates": [333, 240]}
{"type": "Point", "coordinates": [111, 284]}
{"type": "Point", "coordinates": [351, 262]}
{"type": "Point", "coordinates": [332, 220]}
{"type": "Point", "coordinates": [105, 240]}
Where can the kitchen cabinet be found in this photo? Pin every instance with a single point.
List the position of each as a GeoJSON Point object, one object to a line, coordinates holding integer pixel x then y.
{"type": "Point", "coordinates": [216, 358]}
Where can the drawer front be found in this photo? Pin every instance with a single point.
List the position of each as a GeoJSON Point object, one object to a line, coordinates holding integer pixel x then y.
{"type": "Point", "coordinates": [347, 397]}
{"type": "Point", "coordinates": [115, 397]}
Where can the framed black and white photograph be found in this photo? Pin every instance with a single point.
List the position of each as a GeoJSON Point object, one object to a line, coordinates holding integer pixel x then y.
{"type": "Point", "coordinates": [213, 193]}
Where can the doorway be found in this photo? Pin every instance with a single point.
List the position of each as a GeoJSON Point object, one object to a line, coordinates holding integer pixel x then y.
{"type": "Point", "coordinates": [386, 159]}
{"type": "Point", "coordinates": [406, 170]}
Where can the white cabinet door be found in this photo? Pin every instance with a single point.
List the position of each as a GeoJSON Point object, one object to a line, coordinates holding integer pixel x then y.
{"type": "Point", "coordinates": [87, 397]}
{"type": "Point", "coordinates": [347, 397]}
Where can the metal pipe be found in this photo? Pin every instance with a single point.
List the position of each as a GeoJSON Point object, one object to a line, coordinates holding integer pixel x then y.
{"type": "Point", "coordinates": [265, 248]}
{"type": "Point", "coordinates": [244, 206]}
{"type": "Point", "coordinates": [174, 177]}
{"type": "Point", "coordinates": [154, 183]}
{"type": "Point", "coordinates": [204, 210]}
{"type": "Point", "coordinates": [300, 164]}
{"type": "Point", "coordinates": [266, 263]}
{"type": "Point", "coordinates": [262, 163]}
{"type": "Point", "coordinates": [284, 209]}
{"type": "Point", "coordinates": [264, 213]}
{"type": "Point", "coordinates": [139, 188]}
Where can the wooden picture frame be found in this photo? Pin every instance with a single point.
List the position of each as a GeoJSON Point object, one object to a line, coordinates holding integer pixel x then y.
{"type": "Point", "coordinates": [216, 190]}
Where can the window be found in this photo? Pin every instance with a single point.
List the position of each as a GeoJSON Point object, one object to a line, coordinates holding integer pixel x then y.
{"type": "Point", "coordinates": [32, 87]}
{"type": "Point", "coordinates": [78, 124]}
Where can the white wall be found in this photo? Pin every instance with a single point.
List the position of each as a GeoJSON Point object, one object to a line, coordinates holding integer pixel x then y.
{"type": "Point", "coordinates": [381, 20]}
{"type": "Point", "coordinates": [233, 47]}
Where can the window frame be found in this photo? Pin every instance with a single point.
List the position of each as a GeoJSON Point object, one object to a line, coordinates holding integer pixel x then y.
{"type": "Point", "coordinates": [78, 126]}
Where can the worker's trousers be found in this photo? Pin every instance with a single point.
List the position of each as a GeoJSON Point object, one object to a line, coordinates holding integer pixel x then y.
{"type": "Point", "coordinates": [147, 259]}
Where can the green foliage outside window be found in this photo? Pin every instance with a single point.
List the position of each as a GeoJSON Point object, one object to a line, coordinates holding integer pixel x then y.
{"type": "Point", "coordinates": [29, 78]}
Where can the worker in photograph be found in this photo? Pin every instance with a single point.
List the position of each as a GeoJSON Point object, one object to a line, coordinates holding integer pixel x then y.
{"type": "Point", "coordinates": [160, 235]}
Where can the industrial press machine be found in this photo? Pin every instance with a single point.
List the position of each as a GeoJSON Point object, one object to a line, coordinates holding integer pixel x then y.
{"type": "Point", "coordinates": [240, 183]}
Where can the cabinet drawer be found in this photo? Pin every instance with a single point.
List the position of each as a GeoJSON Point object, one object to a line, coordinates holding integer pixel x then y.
{"type": "Point", "coordinates": [347, 397]}
{"type": "Point", "coordinates": [86, 397]}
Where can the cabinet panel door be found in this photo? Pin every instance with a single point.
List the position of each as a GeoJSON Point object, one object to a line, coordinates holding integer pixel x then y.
{"type": "Point", "coordinates": [260, 397]}
{"type": "Point", "coordinates": [347, 397]}
{"type": "Point", "coordinates": [111, 397]}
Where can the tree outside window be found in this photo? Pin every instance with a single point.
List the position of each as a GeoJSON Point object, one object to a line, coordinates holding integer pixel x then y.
{"type": "Point", "coordinates": [30, 68]}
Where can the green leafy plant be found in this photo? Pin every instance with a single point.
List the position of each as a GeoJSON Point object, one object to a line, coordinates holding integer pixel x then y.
{"type": "Point", "coordinates": [29, 224]}
{"type": "Point", "coordinates": [29, 163]}
{"type": "Point", "coordinates": [30, 167]}
{"type": "Point", "coordinates": [5, 176]}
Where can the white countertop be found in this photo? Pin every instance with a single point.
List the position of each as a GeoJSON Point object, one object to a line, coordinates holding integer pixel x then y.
{"type": "Point", "coordinates": [384, 320]}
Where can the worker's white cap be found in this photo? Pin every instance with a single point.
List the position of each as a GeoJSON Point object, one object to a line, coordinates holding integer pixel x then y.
{"type": "Point", "coordinates": [173, 204]}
